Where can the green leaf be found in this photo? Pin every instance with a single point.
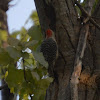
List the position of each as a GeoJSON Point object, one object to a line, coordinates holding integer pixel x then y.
{"type": "Point", "coordinates": [13, 52]}
{"type": "Point", "coordinates": [39, 93]}
{"type": "Point", "coordinates": [35, 33]}
{"type": "Point", "coordinates": [3, 35]}
{"type": "Point", "coordinates": [15, 76]}
{"type": "Point", "coordinates": [94, 6]}
{"type": "Point", "coordinates": [42, 71]}
{"type": "Point", "coordinates": [30, 44]}
{"type": "Point", "coordinates": [3, 72]}
{"type": "Point", "coordinates": [40, 58]}
{"type": "Point", "coordinates": [44, 83]}
{"type": "Point", "coordinates": [37, 46]}
{"type": "Point", "coordinates": [35, 74]}
{"type": "Point", "coordinates": [5, 59]}
{"type": "Point", "coordinates": [29, 61]}
{"type": "Point", "coordinates": [13, 42]}
{"type": "Point", "coordinates": [21, 35]}
{"type": "Point", "coordinates": [25, 55]}
{"type": "Point", "coordinates": [15, 34]}
{"type": "Point", "coordinates": [35, 18]}
{"type": "Point", "coordinates": [26, 89]}
{"type": "Point", "coordinates": [29, 77]}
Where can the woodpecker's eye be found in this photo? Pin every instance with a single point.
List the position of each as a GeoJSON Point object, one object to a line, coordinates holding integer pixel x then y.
{"type": "Point", "coordinates": [49, 33]}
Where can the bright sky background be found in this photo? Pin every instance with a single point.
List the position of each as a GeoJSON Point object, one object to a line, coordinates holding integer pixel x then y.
{"type": "Point", "coordinates": [19, 13]}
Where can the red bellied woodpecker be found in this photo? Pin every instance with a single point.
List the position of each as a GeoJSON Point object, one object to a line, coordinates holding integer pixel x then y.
{"type": "Point", "coordinates": [49, 49]}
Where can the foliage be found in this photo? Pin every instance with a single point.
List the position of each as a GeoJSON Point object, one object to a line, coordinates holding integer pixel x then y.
{"type": "Point", "coordinates": [95, 4]}
{"type": "Point", "coordinates": [83, 2]}
{"type": "Point", "coordinates": [22, 65]}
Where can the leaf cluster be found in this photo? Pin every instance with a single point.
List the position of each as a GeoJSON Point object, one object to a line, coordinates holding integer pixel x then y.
{"type": "Point", "coordinates": [22, 65]}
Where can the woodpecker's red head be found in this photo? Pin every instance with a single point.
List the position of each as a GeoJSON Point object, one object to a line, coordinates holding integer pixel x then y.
{"type": "Point", "coordinates": [49, 33]}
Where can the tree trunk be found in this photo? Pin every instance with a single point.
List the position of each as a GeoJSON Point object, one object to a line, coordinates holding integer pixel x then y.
{"type": "Point", "coordinates": [61, 17]}
{"type": "Point", "coordinates": [5, 93]}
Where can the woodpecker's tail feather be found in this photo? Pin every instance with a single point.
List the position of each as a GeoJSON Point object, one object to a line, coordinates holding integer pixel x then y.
{"type": "Point", "coordinates": [51, 70]}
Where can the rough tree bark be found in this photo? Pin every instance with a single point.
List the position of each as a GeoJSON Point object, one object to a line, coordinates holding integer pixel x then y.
{"type": "Point", "coordinates": [5, 93]}
{"type": "Point", "coordinates": [61, 17]}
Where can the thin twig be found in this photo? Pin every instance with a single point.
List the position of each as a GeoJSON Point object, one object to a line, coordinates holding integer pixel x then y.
{"type": "Point", "coordinates": [85, 13]}
{"type": "Point", "coordinates": [86, 20]}
{"type": "Point", "coordinates": [24, 71]}
{"type": "Point", "coordinates": [94, 23]}
{"type": "Point", "coordinates": [31, 97]}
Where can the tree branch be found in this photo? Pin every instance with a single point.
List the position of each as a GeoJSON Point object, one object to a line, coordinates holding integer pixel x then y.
{"type": "Point", "coordinates": [80, 51]}
{"type": "Point", "coordinates": [89, 5]}
{"type": "Point", "coordinates": [85, 13]}
{"type": "Point", "coordinates": [94, 23]}
{"type": "Point", "coordinates": [24, 70]}
{"type": "Point", "coordinates": [78, 61]}
{"type": "Point", "coordinates": [81, 8]}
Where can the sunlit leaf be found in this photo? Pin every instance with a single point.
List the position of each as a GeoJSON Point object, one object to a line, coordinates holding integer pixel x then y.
{"type": "Point", "coordinates": [35, 18]}
{"type": "Point", "coordinates": [29, 61]}
{"type": "Point", "coordinates": [12, 90]}
{"type": "Point", "coordinates": [3, 35]}
{"type": "Point", "coordinates": [6, 74]}
{"type": "Point", "coordinates": [15, 34]}
{"type": "Point", "coordinates": [23, 36]}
